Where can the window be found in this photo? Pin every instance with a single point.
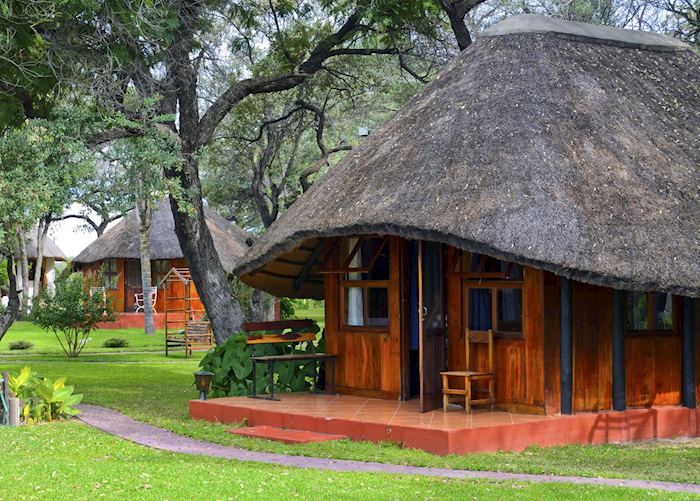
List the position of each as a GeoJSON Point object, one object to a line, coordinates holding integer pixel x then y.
{"type": "Point", "coordinates": [649, 312]}
{"type": "Point", "coordinates": [109, 273]}
{"type": "Point", "coordinates": [159, 268]}
{"type": "Point", "coordinates": [364, 282]}
{"type": "Point", "coordinates": [493, 295]}
{"type": "Point", "coordinates": [133, 273]}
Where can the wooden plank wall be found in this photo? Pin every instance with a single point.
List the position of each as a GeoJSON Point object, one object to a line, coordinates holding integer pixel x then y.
{"type": "Point", "coordinates": [519, 363]}
{"type": "Point", "coordinates": [369, 362]}
{"type": "Point", "coordinates": [592, 347]}
{"type": "Point", "coordinates": [653, 366]}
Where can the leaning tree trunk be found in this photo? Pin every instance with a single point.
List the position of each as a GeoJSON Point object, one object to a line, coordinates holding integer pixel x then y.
{"type": "Point", "coordinates": [223, 310]}
{"type": "Point", "coordinates": [145, 213]}
{"type": "Point", "coordinates": [24, 263]}
{"type": "Point", "coordinates": [12, 311]}
{"type": "Point", "coordinates": [42, 230]}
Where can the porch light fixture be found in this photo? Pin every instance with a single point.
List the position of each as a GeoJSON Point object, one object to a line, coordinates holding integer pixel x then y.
{"type": "Point", "coordinates": [202, 379]}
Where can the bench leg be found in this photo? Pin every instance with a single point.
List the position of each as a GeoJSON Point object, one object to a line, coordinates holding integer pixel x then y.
{"type": "Point", "coordinates": [255, 382]}
{"type": "Point", "coordinates": [315, 376]}
{"type": "Point", "coordinates": [271, 368]}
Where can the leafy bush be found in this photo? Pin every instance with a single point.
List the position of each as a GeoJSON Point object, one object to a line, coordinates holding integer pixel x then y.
{"type": "Point", "coordinates": [44, 400]}
{"type": "Point", "coordinates": [72, 308]}
{"type": "Point", "coordinates": [286, 308]}
{"type": "Point", "coordinates": [233, 370]}
{"type": "Point", "coordinates": [21, 345]}
{"type": "Point", "coordinates": [115, 342]}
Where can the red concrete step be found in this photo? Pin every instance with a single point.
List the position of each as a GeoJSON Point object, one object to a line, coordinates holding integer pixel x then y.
{"type": "Point", "coordinates": [285, 435]}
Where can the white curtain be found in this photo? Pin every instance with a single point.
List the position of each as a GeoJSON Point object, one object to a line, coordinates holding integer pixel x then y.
{"type": "Point", "coordinates": [356, 314]}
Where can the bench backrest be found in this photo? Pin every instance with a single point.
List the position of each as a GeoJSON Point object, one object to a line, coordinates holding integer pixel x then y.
{"type": "Point", "coordinates": [274, 332]}
{"type": "Point", "coordinates": [197, 328]}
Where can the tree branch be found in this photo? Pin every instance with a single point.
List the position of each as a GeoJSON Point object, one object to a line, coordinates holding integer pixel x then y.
{"type": "Point", "coordinates": [244, 88]}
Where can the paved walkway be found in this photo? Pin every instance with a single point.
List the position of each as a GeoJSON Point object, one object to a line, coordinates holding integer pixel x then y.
{"type": "Point", "coordinates": [122, 426]}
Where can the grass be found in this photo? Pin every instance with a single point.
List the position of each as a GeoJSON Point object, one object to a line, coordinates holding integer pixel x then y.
{"type": "Point", "coordinates": [46, 342]}
{"type": "Point", "coordinates": [69, 459]}
{"type": "Point", "coordinates": [156, 389]}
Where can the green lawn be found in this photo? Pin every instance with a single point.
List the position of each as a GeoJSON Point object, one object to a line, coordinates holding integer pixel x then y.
{"type": "Point", "coordinates": [155, 389]}
{"type": "Point", "coordinates": [46, 342]}
{"type": "Point", "coordinates": [70, 460]}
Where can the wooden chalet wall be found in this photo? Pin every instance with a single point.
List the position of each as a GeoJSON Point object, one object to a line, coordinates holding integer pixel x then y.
{"type": "Point", "coordinates": [527, 368]}
{"type": "Point", "coordinates": [652, 362]}
{"type": "Point", "coordinates": [519, 362]}
{"type": "Point", "coordinates": [369, 359]}
{"type": "Point", "coordinates": [124, 298]}
{"type": "Point", "coordinates": [653, 366]}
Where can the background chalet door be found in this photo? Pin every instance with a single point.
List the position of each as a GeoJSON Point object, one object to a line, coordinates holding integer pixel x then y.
{"type": "Point", "coordinates": [431, 296]}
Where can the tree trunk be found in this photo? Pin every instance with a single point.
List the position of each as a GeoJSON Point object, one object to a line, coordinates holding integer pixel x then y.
{"type": "Point", "coordinates": [145, 212]}
{"type": "Point", "coordinates": [12, 311]}
{"type": "Point", "coordinates": [223, 310]}
{"type": "Point", "coordinates": [24, 263]}
{"type": "Point", "coordinates": [42, 230]}
{"type": "Point", "coordinates": [262, 306]}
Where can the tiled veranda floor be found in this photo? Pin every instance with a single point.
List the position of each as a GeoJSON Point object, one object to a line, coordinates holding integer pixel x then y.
{"type": "Point", "coordinates": [443, 433]}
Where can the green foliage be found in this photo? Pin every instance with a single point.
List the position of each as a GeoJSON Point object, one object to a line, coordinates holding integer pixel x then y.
{"type": "Point", "coordinates": [72, 308]}
{"type": "Point", "coordinates": [44, 400]}
{"type": "Point", "coordinates": [21, 345]}
{"type": "Point", "coordinates": [286, 308]}
{"type": "Point", "coordinates": [233, 370]}
{"type": "Point", "coordinates": [40, 162]}
{"type": "Point", "coordinates": [115, 342]}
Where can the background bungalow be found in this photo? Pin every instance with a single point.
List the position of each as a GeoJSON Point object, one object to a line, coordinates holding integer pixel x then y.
{"type": "Point", "coordinates": [544, 186]}
{"type": "Point", "coordinates": [116, 252]}
{"type": "Point", "coordinates": [52, 255]}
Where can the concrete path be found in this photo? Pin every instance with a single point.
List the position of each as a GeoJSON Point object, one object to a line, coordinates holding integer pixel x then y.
{"type": "Point", "coordinates": [118, 424]}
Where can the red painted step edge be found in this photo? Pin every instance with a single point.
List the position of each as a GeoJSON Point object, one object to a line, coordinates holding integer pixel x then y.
{"type": "Point", "coordinates": [285, 435]}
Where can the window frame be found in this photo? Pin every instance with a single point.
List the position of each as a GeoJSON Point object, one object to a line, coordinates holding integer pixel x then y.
{"type": "Point", "coordinates": [108, 275]}
{"type": "Point", "coordinates": [651, 331]}
{"type": "Point", "coordinates": [493, 281]}
{"type": "Point", "coordinates": [158, 275]}
{"type": "Point", "coordinates": [344, 283]}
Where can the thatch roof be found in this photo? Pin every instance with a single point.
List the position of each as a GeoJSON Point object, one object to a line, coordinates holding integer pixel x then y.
{"type": "Point", "coordinates": [122, 240]}
{"type": "Point", "coordinates": [576, 153]}
{"type": "Point", "coordinates": [51, 248]}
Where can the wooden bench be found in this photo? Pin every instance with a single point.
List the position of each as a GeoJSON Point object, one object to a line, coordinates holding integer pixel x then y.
{"type": "Point", "coordinates": [196, 335]}
{"type": "Point", "coordinates": [300, 331]}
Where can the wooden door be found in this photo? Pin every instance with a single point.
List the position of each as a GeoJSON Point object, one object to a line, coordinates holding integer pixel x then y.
{"type": "Point", "coordinates": [431, 297]}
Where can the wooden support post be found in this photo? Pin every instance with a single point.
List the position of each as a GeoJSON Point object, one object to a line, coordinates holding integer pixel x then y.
{"type": "Point", "coordinates": [688, 357]}
{"type": "Point", "coordinates": [567, 344]}
{"type": "Point", "coordinates": [13, 405]}
{"type": "Point", "coordinates": [618, 352]}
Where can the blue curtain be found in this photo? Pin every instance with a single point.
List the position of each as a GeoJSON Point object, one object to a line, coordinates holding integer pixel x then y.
{"type": "Point", "coordinates": [479, 304]}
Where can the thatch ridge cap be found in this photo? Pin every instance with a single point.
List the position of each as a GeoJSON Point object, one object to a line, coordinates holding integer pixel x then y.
{"type": "Point", "coordinates": [586, 32]}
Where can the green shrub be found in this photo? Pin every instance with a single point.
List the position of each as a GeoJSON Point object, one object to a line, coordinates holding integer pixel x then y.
{"type": "Point", "coordinates": [21, 345]}
{"type": "Point", "coordinates": [115, 342]}
{"type": "Point", "coordinates": [44, 400]}
{"type": "Point", "coordinates": [286, 308]}
{"type": "Point", "coordinates": [72, 308]}
{"type": "Point", "coordinates": [233, 370]}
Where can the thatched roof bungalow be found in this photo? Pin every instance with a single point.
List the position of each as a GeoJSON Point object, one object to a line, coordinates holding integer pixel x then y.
{"type": "Point", "coordinates": [116, 252]}
{"type": "Point", "coordinates": [544, 187]}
